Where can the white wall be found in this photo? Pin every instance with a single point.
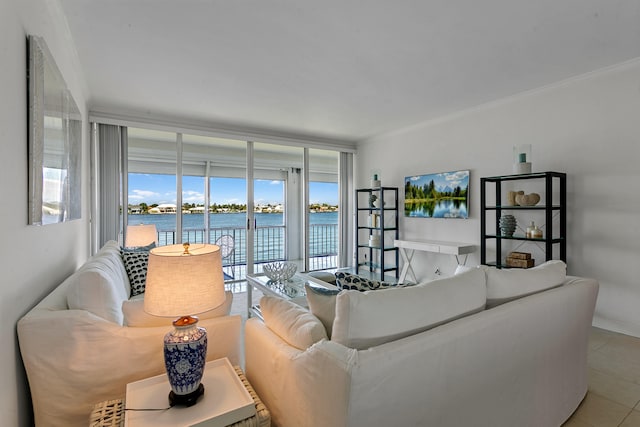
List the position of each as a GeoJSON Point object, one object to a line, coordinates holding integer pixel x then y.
{"type": "Point", "coordinates": [588, 127]}
{"type": "Point", "coordinates": [33, 260]}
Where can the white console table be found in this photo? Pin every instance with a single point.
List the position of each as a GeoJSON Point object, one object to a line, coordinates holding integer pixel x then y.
{"type": "Point", "coordinates": [407, 248]}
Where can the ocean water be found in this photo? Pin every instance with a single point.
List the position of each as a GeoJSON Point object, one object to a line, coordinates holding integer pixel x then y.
{"type": "Point", "coordinates": [167, 222]}
{"type": "Point", "coordinates": [269, 238]}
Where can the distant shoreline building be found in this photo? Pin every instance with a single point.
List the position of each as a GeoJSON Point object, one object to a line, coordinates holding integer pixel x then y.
{"type": "Point", "coordinates": [165, 208]}
{"type": "Point", "coordinates": [170, 208]}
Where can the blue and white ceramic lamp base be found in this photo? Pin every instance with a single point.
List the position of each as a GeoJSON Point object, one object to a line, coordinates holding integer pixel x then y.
{"type": "Point", "coordinates": [185, 352]}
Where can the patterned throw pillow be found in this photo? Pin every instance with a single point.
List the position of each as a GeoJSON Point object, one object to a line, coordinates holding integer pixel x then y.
{"type": "Point", "coordinates": [139, 248]}
{"type": "Point", "coordinates": [135, 263]}
{"type": "Point", "coordinates": [355, 282]}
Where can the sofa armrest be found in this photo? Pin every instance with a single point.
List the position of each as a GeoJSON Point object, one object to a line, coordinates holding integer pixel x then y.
{"type": "Point", "coordinates": [75, 359]}
{"type": "Point", "coordinates": [300, 388]}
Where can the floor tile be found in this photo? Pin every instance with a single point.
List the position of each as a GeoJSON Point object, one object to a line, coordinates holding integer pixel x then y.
{"type": "Point", "coordinates": [599, 411]}
{"type": "Point", "coordinates": [632, 420]}
{"type": "Point", "coordinates": [620, 367]}
{"type": "Point", "coordinates": [574, 422]}
{"type": "Point", "coordinates": [614, 388]}
{"type": "Point", "coordinates": [599, 337]}
{"type": "Point", "coordinates": [622, 347]}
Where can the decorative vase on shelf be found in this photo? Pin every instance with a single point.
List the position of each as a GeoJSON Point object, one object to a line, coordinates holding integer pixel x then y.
{"type": "Point", "coordinates": [529, 231]}
{"type": "Point", "coordinates": [375, 182]}
{"type": "Point", "coordinates": [507, 225]}
{"type": "Point", "coordinates": [512, 196]}
{"type": "Point", "coordinates": [536, 233]}
{"type": "Point", "coordinates": [527, 199]}
{"type": "Point", "coordinates": [521, 159]}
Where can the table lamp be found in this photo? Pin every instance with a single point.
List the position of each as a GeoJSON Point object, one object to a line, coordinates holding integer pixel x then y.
{"type": "Point", "coordinates": [141, 235]}
{"type": "Point", "coordinates": [184, 280]}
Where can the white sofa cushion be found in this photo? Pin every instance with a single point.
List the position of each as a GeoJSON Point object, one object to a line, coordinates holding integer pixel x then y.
{"type": "Point", "coordinates": [291, 322]}
{"type": "Point", "coordinates": [100, 285]}
{"type": "Point", "coordinates": [322, 303]}
{"type": "Point", "coordinates": [92, 290]}
{"type": "Point", "coordinates": [367, 319]}
{"type": "Point", "coordinates": [504, 285]}
{"type": "Point", "coordinates": [113, 261]}
{"type": "Point", "coordinates": [135, 316]}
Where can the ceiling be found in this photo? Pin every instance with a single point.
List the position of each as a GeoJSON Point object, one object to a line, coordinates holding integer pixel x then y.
{"type": "Point", "coordinates": [336, 69]}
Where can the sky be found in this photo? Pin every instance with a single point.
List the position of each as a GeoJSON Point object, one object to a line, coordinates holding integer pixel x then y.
{"type": "Point", "coordinates": [156, 188]}
{"type": "Point", "coordinates": [442, 180]}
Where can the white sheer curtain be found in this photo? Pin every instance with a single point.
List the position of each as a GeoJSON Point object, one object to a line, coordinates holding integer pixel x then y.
{"type": "Point", "coordinates": [345, 223]}
{"type": "Point", "coordinates": [109, 143]}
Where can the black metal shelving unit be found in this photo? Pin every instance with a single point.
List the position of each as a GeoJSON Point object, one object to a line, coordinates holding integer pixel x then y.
{"type": "Point", "coordinates": [555, 241]}
{"type": "Point", "coordinates": [384, 258]}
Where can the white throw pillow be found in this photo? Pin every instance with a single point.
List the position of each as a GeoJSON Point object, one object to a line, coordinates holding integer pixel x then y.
{"type": "Point", "coordinates": [322, 303]}
{"type": "Point", "coordinates": [100, 285]}
{"type": "Point", "coordinates": [94, 290]}
{"type": "Point", "coordinates": [505, 285]}
{"type": "Point", "coordinates": [112, 259]}
{"type": "Point", "coordinates": [371, 318]}
{"type": "Point", "coordinates": [291, 322]}
{"type": "Point", "coordinates": [135, 316]}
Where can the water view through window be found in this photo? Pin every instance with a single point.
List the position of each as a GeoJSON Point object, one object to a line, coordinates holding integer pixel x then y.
{"type": "Point", "coordinates": [152, 201]}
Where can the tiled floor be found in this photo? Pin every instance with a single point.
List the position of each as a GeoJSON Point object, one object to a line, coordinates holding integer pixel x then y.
{"type": "Point", "coordinates": [614, 383]}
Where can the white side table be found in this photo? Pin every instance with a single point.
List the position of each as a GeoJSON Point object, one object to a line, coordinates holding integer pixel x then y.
{"type": "Point", "coordinates": [408, 246]}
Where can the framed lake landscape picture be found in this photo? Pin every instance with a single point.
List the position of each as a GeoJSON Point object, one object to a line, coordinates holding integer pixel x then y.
{"type": "Point", "coordinates": [437, 195]}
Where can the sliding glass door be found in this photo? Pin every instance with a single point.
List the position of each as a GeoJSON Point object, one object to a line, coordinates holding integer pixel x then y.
{"type": "Point", "coordinates": [214, 196]}
{"type": "Point", "coordinates": [323, 237]}
{"type": "Point", "coordinates": [276, 176]}
{"type": "Point", "coordinates": [151, 183]}
{"type": "Point", "coordinates": [261, 202]}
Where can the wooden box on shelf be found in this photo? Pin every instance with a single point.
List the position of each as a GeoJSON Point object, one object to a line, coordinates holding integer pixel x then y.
{"type": "Point", "coordinates": [519, 255]}
{"type": "Point", "coordinates": [520, 263]}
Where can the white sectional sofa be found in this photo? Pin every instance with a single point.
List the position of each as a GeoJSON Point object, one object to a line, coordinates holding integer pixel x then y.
{"type": "Point", "coordinates": [86, 340]}
{"type": "Point", "coordinates": [429, 355]}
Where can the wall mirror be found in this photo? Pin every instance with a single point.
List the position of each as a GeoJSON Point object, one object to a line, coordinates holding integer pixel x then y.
{"type": "Point", "coordinates": [55, 141]}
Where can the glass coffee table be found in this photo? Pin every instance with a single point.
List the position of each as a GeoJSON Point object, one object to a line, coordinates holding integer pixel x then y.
{"type": "Point", "coordinates": [292, 289]}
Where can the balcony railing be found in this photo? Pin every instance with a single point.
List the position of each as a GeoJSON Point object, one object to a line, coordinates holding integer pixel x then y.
{"type": "Point", "coordinates": [269, 246]}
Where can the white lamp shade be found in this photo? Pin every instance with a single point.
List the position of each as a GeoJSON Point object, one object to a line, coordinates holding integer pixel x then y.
{"type": "Point", "coordinates": [141, 235]}
{"type": "Point", "coordinates": [180, 284]}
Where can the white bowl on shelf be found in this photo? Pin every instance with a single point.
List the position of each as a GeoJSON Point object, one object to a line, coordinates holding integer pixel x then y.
{"type": "Point", "coordinates": [279, 271]}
